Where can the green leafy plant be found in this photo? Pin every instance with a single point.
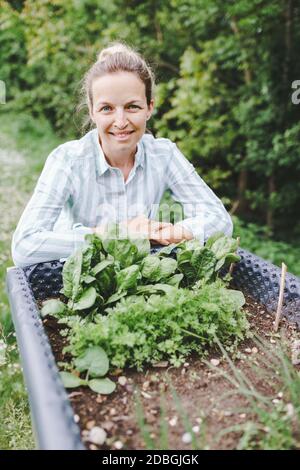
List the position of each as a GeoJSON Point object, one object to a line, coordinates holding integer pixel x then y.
{"type": "Point", "coordinates": [95, 364]}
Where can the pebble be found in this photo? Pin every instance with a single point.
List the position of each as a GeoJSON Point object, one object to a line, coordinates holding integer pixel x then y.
{"type": "Point", "coordinates": [76, 418]}
{"type": "Point", "coordinates": [215, 362]}
{"type": "Point", "coordinates": [254, 350]}
{"type": "Point", "coordinates": [173, 421]}
{"type": "Point", "coordinates": [97, 436]}
{"type": "Point", "coordinates": [243, 415]}
{"type": "Point", "coordinates": [146, 395]}
{"type": "Point", "coordinates": [186, 438]}
{"type": "Point", "coordinates": [248, 350]}
{"type": "Point", "coordinates": [118, 445]}
{"type": "Point", "coordinates": [122, 380]}
{"type": "Point", "coordinates": [196, 429]}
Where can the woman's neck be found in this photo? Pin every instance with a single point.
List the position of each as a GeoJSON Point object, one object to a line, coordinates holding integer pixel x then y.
{"type": "Point", "coordinates": [122, 162]}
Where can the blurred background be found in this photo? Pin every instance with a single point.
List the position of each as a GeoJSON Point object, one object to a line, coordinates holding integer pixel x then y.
{"type": "Point", "coordinates": [226, 94]}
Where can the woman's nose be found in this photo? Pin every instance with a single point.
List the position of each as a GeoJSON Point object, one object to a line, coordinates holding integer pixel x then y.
{"type": "Point", "coordinates": [121, 119]}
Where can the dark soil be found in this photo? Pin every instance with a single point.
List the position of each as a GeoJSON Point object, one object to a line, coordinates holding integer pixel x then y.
{"type": "Point", "coordinates": [199, 387]}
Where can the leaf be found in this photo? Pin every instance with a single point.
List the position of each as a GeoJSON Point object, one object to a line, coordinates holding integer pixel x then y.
{"type": "Point", "coordinates": [53, 307]}
{"type": "Point", "coordinates": [167, 250]}
{"type": "Point", "coordinates": [203, 261]}
{"type": "Point", "coordinates": [86, 300]}
{"type": "Point", "coordinates": [150, 267]}
{"type": "Point", "coordinates": [122, 250]}
{"type": "Point", "coordinates": [237, 297]}
{"type": "Point", "coordinates": [174, 280]}
{"type": "Point", "coordinates": [101, 266]}
{"type": "Point", "coordinates": [115, 297]}
{"type": "Point", "coordinates": [71, 275]}
{"type": "Point", "coordinates": [155, 288]}
{"type": "Point", "coordinates": [143, 248]}
{"type": "Point", "coordinates": [127, 278]}
{"type": "Point", "coordinates": [213, 238]}
{"type": "Point", "coordinates": [94, 360]}
{"type": "Point", "coordinates": [224, 245]}
{"type": "Point", "coordinates": [87, 278]}
{"type": "Point", "coordinates": [103, 386]}
{"type": "Point", "coordinates": [70, 380]}
{"type": "Point", "coordinates": [167, 267]}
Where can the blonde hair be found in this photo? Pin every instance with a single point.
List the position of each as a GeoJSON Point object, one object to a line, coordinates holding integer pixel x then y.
{"type": "Point", "coordinates": [116, 57]}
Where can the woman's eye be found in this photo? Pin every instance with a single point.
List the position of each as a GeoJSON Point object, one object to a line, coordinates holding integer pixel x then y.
{"type": "Point", "coordinates": [134, 106]}
{"type": "Point", "coordinates": [105, 108]}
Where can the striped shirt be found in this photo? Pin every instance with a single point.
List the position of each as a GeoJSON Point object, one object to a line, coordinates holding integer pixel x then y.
{"type": "Point", "coordinates": [78, 190]}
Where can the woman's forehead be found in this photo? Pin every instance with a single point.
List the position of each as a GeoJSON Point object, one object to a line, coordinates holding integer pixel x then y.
{"type": "Point", "coordinates": [124, 86]}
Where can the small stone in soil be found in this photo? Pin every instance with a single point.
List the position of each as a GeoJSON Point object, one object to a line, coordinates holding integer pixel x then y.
{"type": "Point", "coordinates": [118, 445]}
{"type": "Point", "coordinates": [97, 435]}
{"type": "Point", "coordinates": [122, 380]}
{"type": "Point", "coordinates": [186, 438]}
{"type": "Point", "coordinates": [76, 418]}
{"type": "Point", "coordinates": [215, 362]}
{"type": "Point", "coordinates": [173, 421]}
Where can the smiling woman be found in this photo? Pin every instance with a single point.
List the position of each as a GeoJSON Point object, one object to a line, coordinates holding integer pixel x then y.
{"type": "Point", "coordinates": [115, 173]}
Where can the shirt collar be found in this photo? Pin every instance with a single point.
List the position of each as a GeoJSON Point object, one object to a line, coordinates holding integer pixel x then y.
{"type": "Point", "coordinates": [103, 166]}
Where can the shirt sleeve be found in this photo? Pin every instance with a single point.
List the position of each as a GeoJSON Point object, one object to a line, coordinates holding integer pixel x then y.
{"type": "Point", "coordinates": [204, 213]}
{"type": "Point", "coordinates": [34, 240]}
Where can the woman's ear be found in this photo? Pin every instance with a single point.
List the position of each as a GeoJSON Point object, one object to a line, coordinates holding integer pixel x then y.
{"type": "Point", "coordinates": [150, 109]}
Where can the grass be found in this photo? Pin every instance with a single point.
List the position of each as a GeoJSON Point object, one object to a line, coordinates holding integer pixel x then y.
{"type": "Point", "coordinates": [25, 144]}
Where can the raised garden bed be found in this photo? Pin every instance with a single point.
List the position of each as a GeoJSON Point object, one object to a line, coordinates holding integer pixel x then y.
{"type": "Point", "coordinates": [52, 412]}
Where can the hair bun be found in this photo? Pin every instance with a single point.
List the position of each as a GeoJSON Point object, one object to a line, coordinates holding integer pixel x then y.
{"type": "Point", "coordinates": [109, 51]}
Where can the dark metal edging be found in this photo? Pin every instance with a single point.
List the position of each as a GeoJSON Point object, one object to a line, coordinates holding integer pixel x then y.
{"type": "Point", "coordinates": [52, 415]}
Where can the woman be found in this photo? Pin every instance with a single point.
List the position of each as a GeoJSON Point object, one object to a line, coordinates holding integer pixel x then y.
{"type": "Point", "coordinates": [116, 172]}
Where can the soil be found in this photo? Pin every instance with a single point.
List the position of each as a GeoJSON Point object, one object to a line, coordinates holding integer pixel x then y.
{"type": "Point", "coordinates": [199, 385]}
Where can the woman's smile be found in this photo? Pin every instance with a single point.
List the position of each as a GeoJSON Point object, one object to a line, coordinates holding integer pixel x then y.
{"type": "Point", "coordinates": [121, 135]}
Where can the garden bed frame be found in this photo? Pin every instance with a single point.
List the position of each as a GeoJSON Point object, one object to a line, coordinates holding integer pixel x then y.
{"type": "Point", "coordinates": [52, 415]}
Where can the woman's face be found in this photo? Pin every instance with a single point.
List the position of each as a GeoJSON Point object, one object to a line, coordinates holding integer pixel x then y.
{"type": "Point", "coordinates": [120, 112]}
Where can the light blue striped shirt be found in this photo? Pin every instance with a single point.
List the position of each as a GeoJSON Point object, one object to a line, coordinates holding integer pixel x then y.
{"type": "Point", "coordinates": [78, 190]}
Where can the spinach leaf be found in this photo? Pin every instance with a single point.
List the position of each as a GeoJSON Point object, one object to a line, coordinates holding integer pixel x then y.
{"type": "Point", "coordinates": [94, 360]}
{"type": "Point", "coordinates": [71, 275]}
{"type": "Point", "coordinates": [86, 299]}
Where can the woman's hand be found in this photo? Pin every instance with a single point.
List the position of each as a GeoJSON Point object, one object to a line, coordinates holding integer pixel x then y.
{"type": "Point", "coordinates": [141, 226]}
{"type": "Point", "coordinates": [159, 233]}
{"type": "Point", "coordinates": [170, 234]}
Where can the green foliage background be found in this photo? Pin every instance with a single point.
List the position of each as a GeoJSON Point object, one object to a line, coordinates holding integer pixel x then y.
{"type": "Point", "coordinates": [224, 70]}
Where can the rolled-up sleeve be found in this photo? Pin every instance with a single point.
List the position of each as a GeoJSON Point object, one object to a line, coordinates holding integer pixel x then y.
{"type": "Point", "coordinates": [34, 240]}
{"type": "Point", "coordinates": [204, 213]}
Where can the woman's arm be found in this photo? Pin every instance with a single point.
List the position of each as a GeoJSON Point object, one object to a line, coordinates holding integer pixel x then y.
{"type": "Point", "coordinates": [203, 211]}
{"type": "Point", "coordinates": [34, 240]}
